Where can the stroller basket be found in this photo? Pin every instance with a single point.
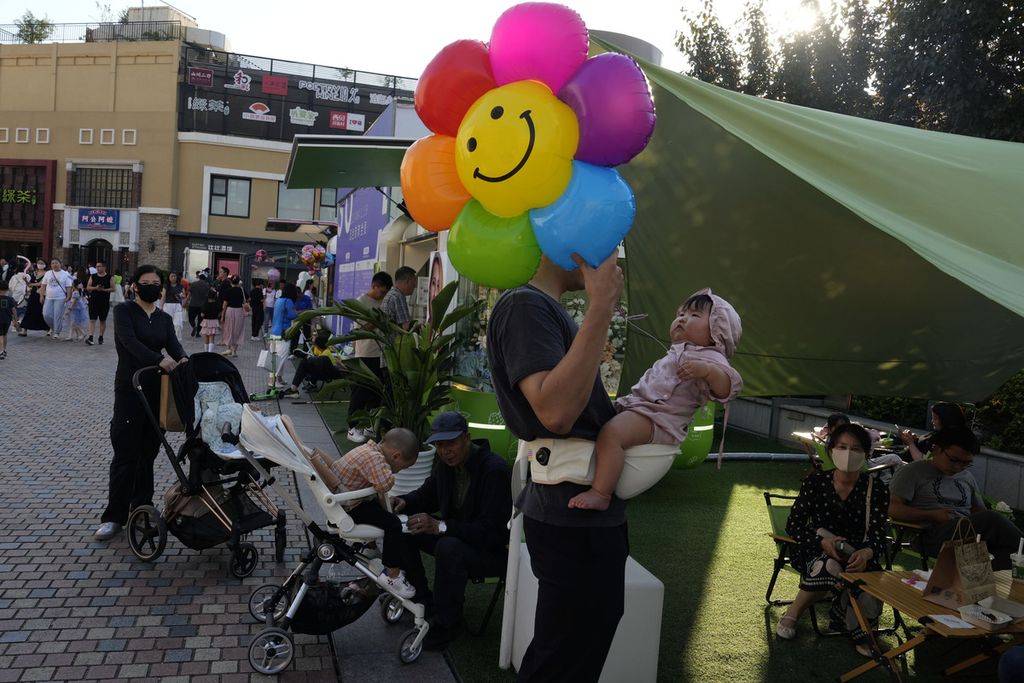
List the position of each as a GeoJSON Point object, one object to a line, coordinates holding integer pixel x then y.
{"type": "Point", "coordinates": [329, 605]}
{"type": "Point", "coordinates": [199, 521]}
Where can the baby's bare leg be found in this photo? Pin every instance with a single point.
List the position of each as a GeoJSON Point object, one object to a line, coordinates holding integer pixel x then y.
{"type": "Point", "coordinates": [623, 431]}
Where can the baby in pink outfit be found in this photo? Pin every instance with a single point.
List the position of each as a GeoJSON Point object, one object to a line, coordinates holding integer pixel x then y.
{"type": "Point", "coordinates": [659, 408]}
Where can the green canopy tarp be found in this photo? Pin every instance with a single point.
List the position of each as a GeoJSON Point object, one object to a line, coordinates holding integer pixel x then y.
{"type": "Point", "coordinates": [863, 257]}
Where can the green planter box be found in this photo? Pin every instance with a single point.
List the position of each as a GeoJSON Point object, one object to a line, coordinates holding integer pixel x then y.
{"type": "Point", "coordinates": [485, 422]}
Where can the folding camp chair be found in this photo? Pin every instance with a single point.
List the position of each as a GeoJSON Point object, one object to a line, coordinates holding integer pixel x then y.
{"type": "Point", "coordinates": [903, 536]}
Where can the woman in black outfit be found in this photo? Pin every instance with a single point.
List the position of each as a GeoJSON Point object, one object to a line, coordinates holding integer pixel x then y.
{"type": "Point", "coordinates": [256, 302]}
{"type": "Point", "coordinates": [141, 331]}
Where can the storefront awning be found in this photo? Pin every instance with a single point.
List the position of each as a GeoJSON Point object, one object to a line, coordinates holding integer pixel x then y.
{"type": "Point", "coordinates": [345, 161]}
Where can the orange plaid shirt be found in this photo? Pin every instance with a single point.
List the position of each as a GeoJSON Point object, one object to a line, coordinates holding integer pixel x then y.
{"type": "Point", "coordinates": [364, 466]}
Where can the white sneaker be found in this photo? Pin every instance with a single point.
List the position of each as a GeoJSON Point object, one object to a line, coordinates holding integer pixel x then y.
{"type": "Point", "coordinates": [397, 585]}
{"type": "Point", "coordinates": [356, 435]}
{"type": "Point", "coordinates": [107, 531]}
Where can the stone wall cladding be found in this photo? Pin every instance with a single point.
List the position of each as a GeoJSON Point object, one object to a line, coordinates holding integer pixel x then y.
{"type": "Point", "coordinates": [154, 227]}
{"type": "Point", "coordinates": [60, 250]}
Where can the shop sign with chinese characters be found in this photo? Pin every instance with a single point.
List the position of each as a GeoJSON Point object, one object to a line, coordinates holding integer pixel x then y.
{"type": "Point", "coordinates": [204, 104]}
{"type": "Point", "coordinates": [241, 81]}
{"type": "Point", "coordinates": [258, 111]}
{"type": "Point", "coordinates": [99, 219]}
{"type": "Point", "coordinates": [11, 195]}
{"type": "Point", "coordinates": [302, 117]}
{"type": "Point", "coordinates": [197, 75]}
{"type": "Point", "coordinates": [348, 121]}
{"type": "Point", "coordinates": [331, 92]}
{"type": "Point", "coordinates": [274, 85]}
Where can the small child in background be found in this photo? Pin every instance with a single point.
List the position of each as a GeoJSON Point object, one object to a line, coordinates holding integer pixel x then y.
{"type": "Point", "coordinates": [373, 464]}
{"type": "Point", "coordinates": [8, 313]}
{"type": "Point", "coordinates": [659, 408]}
{"type": "Point", "coordinates": [79, 313]}
{"type": "Point", "coordinates": [210, 327]}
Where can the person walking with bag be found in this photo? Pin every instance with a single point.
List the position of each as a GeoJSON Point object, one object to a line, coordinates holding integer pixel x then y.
{"type": "Point", "coordinates": [57, 285]}
{"type": "Point", "coordinates": [142, 333]}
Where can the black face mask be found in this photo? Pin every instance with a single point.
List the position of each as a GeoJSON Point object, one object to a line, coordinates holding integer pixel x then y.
{"type": "Point", "coordinates": [149, 293]}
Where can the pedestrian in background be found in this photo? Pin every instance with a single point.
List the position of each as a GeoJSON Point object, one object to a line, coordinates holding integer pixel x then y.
{"type": "Point", "coordinates": [256, 304]}
{"type": "Point", "coordinates": [7, 316]}
{"type": "Point", "coordinates": [196, 301]}
{"type": "Point", "coordinates": [210, 326]}
{"type": "Point", "coordinates": [99, 287]}
{"type": "Point", "coordinates": [141, 334]}
{"type": "Point", "coordinates": [270, 294]}
{"type": "Point", "coordinates": [172, 300]}
{"type": "Point", "coordinates": [33, 318]}
{"type": "Point", "coordinates": [57, 283]}
{"type": "Point", "coordinates": [233, 317]}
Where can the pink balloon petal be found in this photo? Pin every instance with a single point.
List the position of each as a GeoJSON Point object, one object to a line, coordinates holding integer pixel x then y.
{"type": "Point", "coordinates": [538, 41]}
{"type": "Point", "coordinates": [613, 104]}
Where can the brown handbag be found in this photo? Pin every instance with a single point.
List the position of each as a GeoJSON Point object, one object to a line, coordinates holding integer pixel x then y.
{"type": "Point", "coordinates": [169, 418]}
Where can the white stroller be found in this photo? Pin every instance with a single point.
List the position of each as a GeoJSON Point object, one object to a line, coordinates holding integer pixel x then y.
{"type": "Point", "coordinates": [304, 603]}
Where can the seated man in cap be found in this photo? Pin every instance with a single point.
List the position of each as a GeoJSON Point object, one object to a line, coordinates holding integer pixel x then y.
{"type": "Point", "coordinates": [458, 515]}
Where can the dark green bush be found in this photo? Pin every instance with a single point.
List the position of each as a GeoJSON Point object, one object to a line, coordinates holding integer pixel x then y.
{"type": "Point", "coordinates": [906, 412]}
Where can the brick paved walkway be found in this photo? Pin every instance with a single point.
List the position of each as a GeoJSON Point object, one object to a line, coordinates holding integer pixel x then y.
{"type": "Point", "coordinates": [75, 609]}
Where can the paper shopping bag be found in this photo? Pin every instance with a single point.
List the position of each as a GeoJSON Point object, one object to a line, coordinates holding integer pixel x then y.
{"type": "Point", "coordinates": [263, 360]}
{"type": "Point", "coordinates": [963, 570]}
{"type": "Point", "coordinates": [169, 418]}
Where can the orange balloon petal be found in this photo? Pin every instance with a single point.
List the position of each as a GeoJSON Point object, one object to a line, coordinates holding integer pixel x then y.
{"type": "Point", "coordinates": [433, 192]}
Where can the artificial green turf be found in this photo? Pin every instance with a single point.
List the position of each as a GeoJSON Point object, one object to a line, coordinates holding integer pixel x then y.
{"type": "Point", "coordinates": [703, 533]}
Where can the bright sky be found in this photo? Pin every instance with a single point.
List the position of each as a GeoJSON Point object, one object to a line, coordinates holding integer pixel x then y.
{"type": "Point", "coordinates": [400, 36]}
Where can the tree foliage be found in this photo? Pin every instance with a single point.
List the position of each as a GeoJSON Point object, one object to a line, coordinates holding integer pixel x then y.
{"type": "Point", "coordinates": [33, 29]}
{"type": "Point", "coordinates": [956, 67]}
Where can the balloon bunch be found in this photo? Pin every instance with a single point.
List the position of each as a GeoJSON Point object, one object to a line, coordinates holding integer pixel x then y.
{"type": "Point", "coordinates": [261, 255]}
{"type": "Point", "coordinates": [526, 130]}
{"type": "Point", "coordinates": [312, 256]}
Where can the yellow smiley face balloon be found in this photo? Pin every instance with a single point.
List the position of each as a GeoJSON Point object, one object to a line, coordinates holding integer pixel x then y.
{"type": "Point", "coordinates": [515, 147]}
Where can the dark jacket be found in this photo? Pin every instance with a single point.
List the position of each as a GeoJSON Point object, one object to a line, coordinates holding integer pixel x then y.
{"type": "Point", "coordinates": [488, 505]}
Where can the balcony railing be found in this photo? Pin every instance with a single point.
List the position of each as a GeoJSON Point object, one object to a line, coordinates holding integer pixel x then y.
{"type": "Point", "coordinates": [105, 32]}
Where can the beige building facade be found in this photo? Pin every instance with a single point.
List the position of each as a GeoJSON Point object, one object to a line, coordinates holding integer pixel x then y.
{"type": "Point", "coordinates": [163, 151]}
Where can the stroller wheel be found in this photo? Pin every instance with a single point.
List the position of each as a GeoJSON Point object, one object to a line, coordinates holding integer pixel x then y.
{"type": "Point", "coordinates": [271, 651]}
{"type": "Point", "coordinates": [392, 609]}
{"type": "Point", "coordinates": [407, 652]}
{"type": "Point", "coordinates": [147, 533]}
{"type": "Point", "coordinates": [280, 538]}
{"type": "Point", "coordinates": [244, 560]}
{"type": "Point", "coordinates": [263, 601]}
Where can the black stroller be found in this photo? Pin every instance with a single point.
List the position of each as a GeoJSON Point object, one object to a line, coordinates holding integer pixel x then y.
{"type": "Point", "coordinates": [220, 500]}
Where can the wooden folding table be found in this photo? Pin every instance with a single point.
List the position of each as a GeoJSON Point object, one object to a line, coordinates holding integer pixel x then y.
{"type": "Point", "coordinates": [889, 587]}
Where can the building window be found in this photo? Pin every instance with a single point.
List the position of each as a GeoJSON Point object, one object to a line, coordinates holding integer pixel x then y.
{"type": "Point", "coordinates": [21, 135]}
{"type": "Point", "coordinates": [229, 196]}
{"type": "Point", "coordinates": [42, 136]}
{"type": "Point", "coordinates": [328, 209]}
{"type": "Point", "coordinates": [5, 135]}
{"type": "Point", "coordinates": [107, 187]}
{"type": "Point", "coordinates": [107, 136]}
{"type": "Point", "coordinates": [295, 204]}
{"type": "Point", "coordinates": [129, 136]}
{"type": "Point", "coordinates": [85, 136]}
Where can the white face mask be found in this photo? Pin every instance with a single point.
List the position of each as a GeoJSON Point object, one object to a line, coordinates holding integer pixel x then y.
{"type": "Point", "coordinates": [847, 460]}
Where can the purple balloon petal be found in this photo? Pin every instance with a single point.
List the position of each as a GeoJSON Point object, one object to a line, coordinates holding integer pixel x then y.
{"type": "Point", "coordinates": [613, 105]}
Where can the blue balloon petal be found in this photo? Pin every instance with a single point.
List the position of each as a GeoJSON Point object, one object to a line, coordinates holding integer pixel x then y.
{"type": "Point", "coordinates": [591, 217]}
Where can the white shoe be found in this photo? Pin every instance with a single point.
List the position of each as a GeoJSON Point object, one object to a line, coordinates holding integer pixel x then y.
{"type": "Point", "coordinates": [356, 435]}
{"type": "Point", "coordinates": [397, 585]}
{"type": "Point", "coordinates": [107, 531]}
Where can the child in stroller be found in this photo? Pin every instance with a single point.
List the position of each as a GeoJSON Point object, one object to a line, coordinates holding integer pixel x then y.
{"type": "Point", "coordinates": [305, 603]}
{"type": "Point", "coordinates": [373, 464]}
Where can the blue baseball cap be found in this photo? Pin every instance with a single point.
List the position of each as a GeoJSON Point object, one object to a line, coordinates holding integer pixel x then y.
{"type": "Point", "coordinates": [447, 426]}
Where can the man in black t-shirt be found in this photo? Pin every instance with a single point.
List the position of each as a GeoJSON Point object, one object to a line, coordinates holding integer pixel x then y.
{"type": "Point", "coordinates": [99, 286]}
{"type": "Point", "coordinates": [545, 374]}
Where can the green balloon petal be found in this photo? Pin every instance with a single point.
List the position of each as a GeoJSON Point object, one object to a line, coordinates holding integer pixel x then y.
{"type": "Point", "coordinates": [493, 251]}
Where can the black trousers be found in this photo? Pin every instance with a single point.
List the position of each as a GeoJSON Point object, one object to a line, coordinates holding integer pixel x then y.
{"type": "Point", "coordinates": [315, 368]}
{"type": "Point", "coordinates": [370, 512]}
{"type": "Point", "coordinates": [194, 318]}
{"type": "Point", "coordinates": [455, 563]}
{"type": "Point", "coordinates": [135, 443]}
{"type": "Point", "coordinates": [257, 321]}
{"type": "Point", "coordinates": [581, 572]}
{"type": "Point", "coordinates": [362, 398]}
{"type": "Point", "coordinates": [1000, 535]}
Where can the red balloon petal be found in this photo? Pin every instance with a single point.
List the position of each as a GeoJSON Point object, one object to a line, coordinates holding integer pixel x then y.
{"type": "Point", "coordinates": [455, 78]}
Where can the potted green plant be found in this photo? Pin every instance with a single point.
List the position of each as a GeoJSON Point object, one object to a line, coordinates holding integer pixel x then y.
{"type": "Point", "coordinates": [420, 362]}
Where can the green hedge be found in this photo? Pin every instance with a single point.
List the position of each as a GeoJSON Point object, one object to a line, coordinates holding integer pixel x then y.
{"type": "Point", "coordinates": [1000, 417]}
